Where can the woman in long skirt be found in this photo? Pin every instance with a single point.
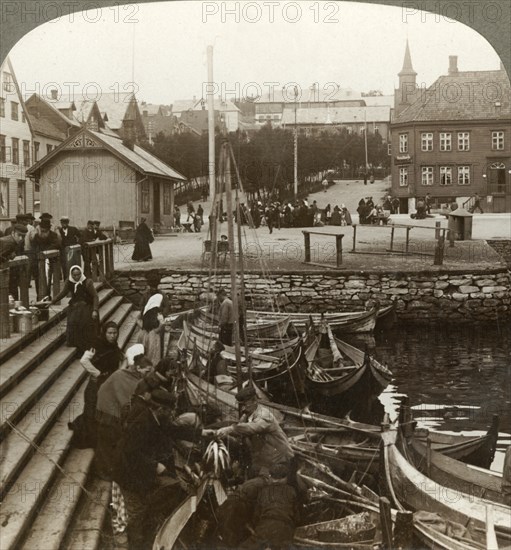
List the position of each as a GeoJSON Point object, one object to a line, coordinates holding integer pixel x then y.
{"type": "Point", "coordinates": [82, 311]}
{"type": "Point", "coordinates": [100, 362]}
{"type": "Point", "coordinates": [143, 238]}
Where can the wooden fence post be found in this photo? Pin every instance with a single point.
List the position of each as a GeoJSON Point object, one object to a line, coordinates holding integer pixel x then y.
{"type": "Point", "coordinates": [55, 266]}
{"type": "Point", "coordinates": [437, 230]}
{"type": "Point", "coordinates": [307, 244]}
{"type": "Point", "coordinates": [403, 530]}
{"type": "Point", "coordinates": [386, 522]}
{"type": "Point", "coordinates": [338, 242]}
{"type": "Point", "coordinates": [439, 251]}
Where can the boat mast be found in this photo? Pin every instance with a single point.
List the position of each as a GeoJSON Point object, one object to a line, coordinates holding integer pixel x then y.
{"type": "Point", "coordinates": [232, 258]}
{"type": "Point", "coordinates": [211, 161]}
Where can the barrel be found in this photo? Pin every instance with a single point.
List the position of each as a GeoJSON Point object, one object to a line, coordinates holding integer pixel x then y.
{"type": "Point", "coordinates": [25, 322]}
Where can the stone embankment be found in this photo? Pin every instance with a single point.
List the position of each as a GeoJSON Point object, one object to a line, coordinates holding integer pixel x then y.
{"type": "Point", "coordinates": [480, 295]}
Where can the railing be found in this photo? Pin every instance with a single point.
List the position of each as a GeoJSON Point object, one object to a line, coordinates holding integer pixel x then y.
{"type": "Point", "coordinates": [98, 259]}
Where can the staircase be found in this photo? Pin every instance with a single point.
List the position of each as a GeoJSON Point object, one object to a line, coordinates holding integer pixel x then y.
{"type": "Point", "coordinates": [41, 390]}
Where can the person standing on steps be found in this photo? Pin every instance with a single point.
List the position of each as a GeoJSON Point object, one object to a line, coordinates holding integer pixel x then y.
{"type": "Point", "coordinates": [477, 204]}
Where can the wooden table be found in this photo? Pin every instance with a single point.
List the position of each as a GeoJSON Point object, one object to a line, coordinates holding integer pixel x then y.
{"type": "Point", "coordinates": [307, 243]}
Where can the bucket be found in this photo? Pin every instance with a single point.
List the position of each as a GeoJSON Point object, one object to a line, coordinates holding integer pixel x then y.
{"type": "Point", "coordinates": [25, 322]}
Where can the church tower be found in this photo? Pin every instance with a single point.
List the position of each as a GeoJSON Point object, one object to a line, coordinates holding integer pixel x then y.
{"type": "Point", "coordinates": [406, 94]}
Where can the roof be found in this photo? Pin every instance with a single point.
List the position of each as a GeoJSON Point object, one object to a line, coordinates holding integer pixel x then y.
{"type": "Point", "coordinates": [115, 105]}
{"type": "Point", "coordinates": [44, 126]}
{"type": "Point", "coordinates": [328, 94]}
{"type": "Point", "coordinates": [138, 158]}
{"type": "Point", "coordinates": [62, 103]}
{"type": "Point", "coordinates": [382, 100]}
{"type": "Point", "coordinates": [467, 95]}
{"type": "Point", "coordinates": [181, 105]}
{"type": "Point", "coordinates": [407, 63]}
{"type": "Point", "coordinates": [153, 109]}
{"type": "Point", "coordinates": [336, 115]}
{"type": "Point", "coordinates": [265, 108]}
{"type": "Point", "coordinates": [34, 98]}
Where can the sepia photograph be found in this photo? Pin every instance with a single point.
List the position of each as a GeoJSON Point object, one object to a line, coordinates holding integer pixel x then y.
{"type": "Point", "coordinates": [255, 275]}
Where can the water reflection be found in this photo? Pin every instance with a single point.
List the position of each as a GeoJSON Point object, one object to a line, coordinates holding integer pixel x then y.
{"type": "Point", "coordinates": [456, 378]}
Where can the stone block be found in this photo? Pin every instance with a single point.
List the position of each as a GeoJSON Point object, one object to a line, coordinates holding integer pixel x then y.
{"type": "Point", "coordinates": [490, 302]}
{"type": "Point", "coordinates": [398, 284]}
{"type": "Point", "coordinates": [489, 289]}
{"type": "Point", "coordinates": [468, 289]}
{"type": "Point", "coordinates": [459, 297]}
{"type": "Point", "coordinates": [355, 284]}
{"type": "Point", "coordinates": [478, 295]}
{"type": "Point", "coordinates": [402, 291]}
{"type": "Point", "coordinates": [460, 282]}
{"type": "Point", "coordinates": [438, 293]}
{"type": "Point", "coordinates": [485, 282]}
{"type": "Point", "coordinates": [441, 285]}
{"type": "Point", "coordinates": [418, 304]}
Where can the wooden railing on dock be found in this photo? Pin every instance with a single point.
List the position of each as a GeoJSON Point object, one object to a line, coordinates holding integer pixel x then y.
{"type": "Point", "coordinates": [98, 260]}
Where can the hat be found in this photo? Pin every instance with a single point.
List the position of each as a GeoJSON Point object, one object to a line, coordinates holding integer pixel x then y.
{"type": "Point", "coordinates": [143, 361]}
{"type": "Point", "coordinates": [90, 222]}
{"type": "Point", "coordinates": [20, 217]}
{"type": "Point", "coordinates": [162, 397]}
{"type": "Point", "coordinates": [45, 223]}
{"type": "Point", "coordinates": [246, 394]}
{"type": "Point", "coordinates": [14, 220]}
{"type": "Point", "coordinates": [221, 291]}
{"type": "Point", "coordinates": [64, 219]}
{"type": "Point", "coordinates": [30, 216]}
{"type": "Point", "coordinates": [46, 216]}
{"type": "Point", "coordinates": [96, 222]}
{"type": "Point", "coordinates": [20, 228]}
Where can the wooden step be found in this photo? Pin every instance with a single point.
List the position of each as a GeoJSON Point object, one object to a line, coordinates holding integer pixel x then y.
{"type": "Point", "coordinates": [15, 451]}
{"type": "Point", "coordinates": [17, 342]}
{"type": "Point", "coordinates": [53, 517]}
{"type": "Point", "coordinates": [15, 403]}
{"type": "Point", "coordinates": [22, 503]}
{"type": "Point", "coordinates": [25, 360]}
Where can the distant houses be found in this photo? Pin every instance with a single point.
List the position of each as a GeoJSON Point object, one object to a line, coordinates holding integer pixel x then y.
{"type": "Point", "coordinates": [453, 139]}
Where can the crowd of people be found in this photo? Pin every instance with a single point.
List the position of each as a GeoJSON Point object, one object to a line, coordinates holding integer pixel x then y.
{"type": "Point", "coordinates": [28, 236]}
{"type": "Point", "coordinates": [136, 416]}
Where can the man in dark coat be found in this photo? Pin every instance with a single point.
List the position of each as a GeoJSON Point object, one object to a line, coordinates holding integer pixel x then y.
{"type": "Point", "coordinates": [70, 236]}
{"type": "Point", "coordinates": [143, 238]}
{"type": "Point", "coordinates": [9, 244]}
{"type": "Point", "coordinates": [144, 465]}
{"type": "Point", "coordinates": [97, 231]}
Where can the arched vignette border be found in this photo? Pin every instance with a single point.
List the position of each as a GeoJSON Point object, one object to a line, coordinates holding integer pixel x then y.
{"type": "Point", "coordinates": [497, 33]}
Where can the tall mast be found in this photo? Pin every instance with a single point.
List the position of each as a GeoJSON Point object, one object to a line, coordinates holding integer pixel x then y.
{"type": "Point", "coordinates": [213, 216]}
{"type": "Point", "coordinates": [232, 257]}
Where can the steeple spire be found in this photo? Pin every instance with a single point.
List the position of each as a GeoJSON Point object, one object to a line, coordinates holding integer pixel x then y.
{"type": "Point", "coordinates": [407, 63]}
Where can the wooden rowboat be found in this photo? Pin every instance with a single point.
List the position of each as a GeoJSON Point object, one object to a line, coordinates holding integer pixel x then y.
{"type": "Point", "coordinates": [335, 367]}
{"type": "Point", "coordinates": [409, 487]}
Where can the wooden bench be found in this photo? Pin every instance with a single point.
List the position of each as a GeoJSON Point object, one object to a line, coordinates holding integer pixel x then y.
{"type": "Point", "coordinates": [307, 243]}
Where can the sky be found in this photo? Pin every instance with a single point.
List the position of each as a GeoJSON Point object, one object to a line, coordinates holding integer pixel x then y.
{"type": "Point", "coordinates": [159, 50]}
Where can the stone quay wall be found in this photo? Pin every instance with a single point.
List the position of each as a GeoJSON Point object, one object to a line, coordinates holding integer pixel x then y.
{"type": "Point", "coordinates": [420, 297]}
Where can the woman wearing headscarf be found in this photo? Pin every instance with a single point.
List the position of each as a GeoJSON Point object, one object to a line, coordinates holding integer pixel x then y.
{"type": "Point", "coordinates": [143, 238]}
{"type": "Point", "coordinates": [83, 309]}
{"type": "Point", "coordinates": [153, 330]}
{"type": "Point", "coordinates": [113, 400]}
{"type": "Point", "coordinates": [100, 362]}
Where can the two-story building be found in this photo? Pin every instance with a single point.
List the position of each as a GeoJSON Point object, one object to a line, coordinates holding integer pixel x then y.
{"type": "Point", "coordinates": [16, 192]}
{"type": "Point", "coordinates": [194, 113]}
{"type": "Point", "coordinates": [453, 139]}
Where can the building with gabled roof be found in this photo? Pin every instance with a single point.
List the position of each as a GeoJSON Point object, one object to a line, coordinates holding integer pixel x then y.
{"type": "Point", "coordinates": [96, 175]}
{"type": "Point", "coordinates": [454, 139]}
{"type": "Point", "coordinates": [226, 112]}
{"type": "Point", "coordinates": [16, 192]}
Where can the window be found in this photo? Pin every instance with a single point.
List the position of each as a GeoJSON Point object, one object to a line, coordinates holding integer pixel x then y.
{"type": "Point", "coordinates": [166, 198]}
{"type": "Point", "coordinates": [463, 141]}
{"type": "Point", "coordinates": [23, 117]}
{"type": "Point", "coordinates": [4, 197]}
{"type": "Point", "coordinates": [427, 141]}
{"type": "Point", "coordinates": [376, 129]}
{"type": "Point", "coordinates": [21, 196]}
{"type": "Point", "coordinates": [2, 107]}
{"type": "Point", "coordinates": [497, 141]}
{"type": "Point", "coordinates": [445, 141]}
{"type": "Point", "coordinates": [427, 175]}
{"type": "Point", "coordinates": [3, 155]}
{"type": "Point", "coordinates": [146, 200]}
{"type": "Point", "coordinates": [49, 148]}
{"type": "Point", "coordinates": [403, 177]}
{"type": "Point", "coordinates": [497, 178]}
{"type": "Point", "coordinates": [36, 151]}
{"type": "Point", "coordinates": [445, 175]}
{"type": "Point", "coordinates": [14, 110]}
{"type": "Point", "coordinates": [8, 83]}
{"type": "Point", "coordinates": [15, 151]}
{"type": "Point", "coordinates": [463, 175]}
{"type": "Point", "coordinates": [26, 152]}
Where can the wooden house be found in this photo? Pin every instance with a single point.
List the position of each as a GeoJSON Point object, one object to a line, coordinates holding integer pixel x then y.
{"type": "Point", "coordinates": [95, 175]}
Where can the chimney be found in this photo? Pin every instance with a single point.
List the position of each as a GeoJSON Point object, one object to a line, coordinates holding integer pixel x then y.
{"type": "Point", "coordinates": [54, 94]}
{"type": "Point", "coordinates": [453, 64]}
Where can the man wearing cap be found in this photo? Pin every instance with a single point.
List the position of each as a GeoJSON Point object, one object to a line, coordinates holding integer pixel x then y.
{"type": "Point", "coordinates": [97, 231]}
{"type": "Point", "coordinates": [70, 236]}
{"type": "Point", "coordinates": [9, 244]}
{"type": "Point", "coordinates": [269, 444]}
{"type": "Point", "coordinates": [89, 233]}
{"type": "Point", "coordinates": [225, 318]}
{"type": "Point", "coordinates": [144, 464]}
